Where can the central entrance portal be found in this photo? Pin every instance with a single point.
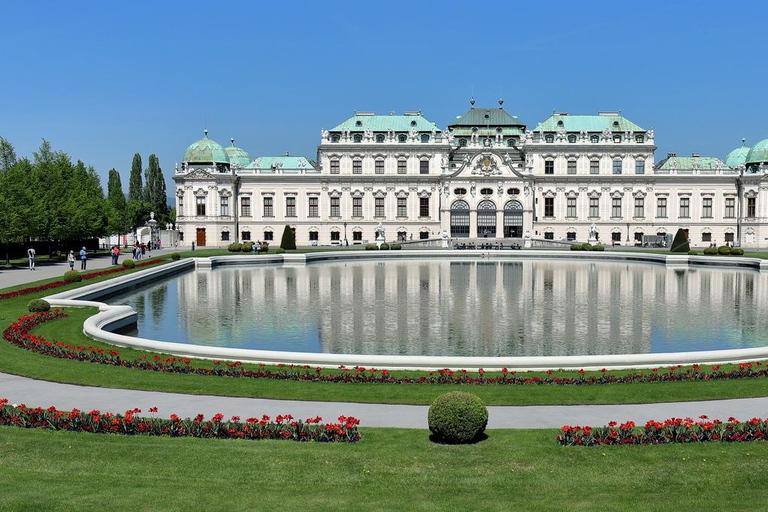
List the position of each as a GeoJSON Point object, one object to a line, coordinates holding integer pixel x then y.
{"type": "Point", "coordinates": [486, 219]}
{"type": "Point", "coordinates": [201, 237]}
{"type": "Point", "coordinates": [513, 219]}
{"type": "Point", "coordinates": [459, 219]}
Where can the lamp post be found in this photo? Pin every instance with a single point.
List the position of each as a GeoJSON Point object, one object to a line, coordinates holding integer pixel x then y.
{"type": "Point", "coordinates": [346, 243]}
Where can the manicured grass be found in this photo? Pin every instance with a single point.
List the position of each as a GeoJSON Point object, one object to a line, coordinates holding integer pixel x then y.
{"type": "Point", "coordinates": [69, 330]}
{"type": "Point", "coordinates": [389, 469]}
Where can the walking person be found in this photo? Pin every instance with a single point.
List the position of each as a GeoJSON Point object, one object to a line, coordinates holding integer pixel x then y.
{"type": "Point", "coordinates": [71, 259]}
{"type": "Point", "coordinates": [115, 254]}
{"type": "Point", "coordinates": [31, 256]}
{"type": "Point", "coordinates": [83, 258]}
{"type": "Point", "coordinates": [143, 251]}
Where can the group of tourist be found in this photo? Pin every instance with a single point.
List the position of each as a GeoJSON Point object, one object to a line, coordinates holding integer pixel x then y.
{"type": "Point", "coordinates": [31, 254]}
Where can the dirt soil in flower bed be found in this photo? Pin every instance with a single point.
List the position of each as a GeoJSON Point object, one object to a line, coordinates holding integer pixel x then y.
{"type": "Point", "coordinates": [388, 469]}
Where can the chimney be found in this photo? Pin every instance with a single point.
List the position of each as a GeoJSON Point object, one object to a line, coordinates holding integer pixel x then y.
{"type": "Point", "coordinates": [670, 155]}
{"type": "Point", "coordinates": [695, 155]}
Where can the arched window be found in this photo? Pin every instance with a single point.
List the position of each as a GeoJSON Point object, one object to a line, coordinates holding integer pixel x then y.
{"type": "Point", "coordinates": [402, 137]}
{"type": "Point", "coordinates": [462, 142]}
{"type": "Point", "coordinates": [424, 137]}
{"type": "Point", "coordinates": [357, 137]}
{"type": "Point", "coordinates": [594, 139]}
{"type": "Point", "coordinates": [335, 137]}
{"type": "Point", "coordinates": [511, 141]}
{"type": "Point", "coordinates": [486, 219]}
{"type": "Point", "coordinates": [571, 138]}
{"type": "Point", "coordinates": [549, 138]}
{"type": "Point", "coordinates": [513, 219]}
{"type": "Point", "coordinates": [379, 137]}
{"type": "Point", "coordinates": [639, 138]}
{"type": "Point", "coordinates": [460, 219]}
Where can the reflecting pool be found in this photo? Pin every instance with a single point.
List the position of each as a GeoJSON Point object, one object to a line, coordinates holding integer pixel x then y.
{"type": "Point", "coordinates": [458, 308]}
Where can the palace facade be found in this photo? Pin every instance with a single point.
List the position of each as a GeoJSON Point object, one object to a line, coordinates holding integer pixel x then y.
{"type": "Point", "coordinates": [486, 175]}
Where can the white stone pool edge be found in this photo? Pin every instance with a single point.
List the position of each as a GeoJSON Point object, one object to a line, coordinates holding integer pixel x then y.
{"type": "Point", "coordinates": [110, 318]}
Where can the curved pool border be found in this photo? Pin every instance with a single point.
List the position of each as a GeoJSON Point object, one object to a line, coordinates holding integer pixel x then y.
{"type": "Point", "coordinates": [102, 325]}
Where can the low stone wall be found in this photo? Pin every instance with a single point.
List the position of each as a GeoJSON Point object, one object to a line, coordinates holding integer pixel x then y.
{"type": "Point", "coordinates": [111, 318]}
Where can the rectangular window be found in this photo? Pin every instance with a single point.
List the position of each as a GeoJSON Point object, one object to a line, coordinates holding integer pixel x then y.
{"type": "Point", "coordinates": [616, 237]}
{"type": "Point", "coordinates": [268, 236]}
{"type": "Point", "coordinates": [401, 166]}
{"type": "Point", "coordinates": [730, 207]}
{"type": "Point", "coordinates": [571, 207]}
{"type": "Point", "coordinates": [751, 207]}
{"type": "Point", "coordinates": [617, 166]}
{"type": "Point", "coordinates": [357, 166]}
{"type": "Point", "coordinates": [424, 167]}
{"type": "Point", "coordinates": [357, 236]}
{"type": "Point", "coordinates": [549, 235]}
{"type": "Point", "coordinates": [290, 206]}
{"type": "Point", "coordinates": [639, 207]}
{"type": "Point", "coordinates": [594, 167]}
{"type": "Point", "coordinates": [594, 207]}
{"type": "Point", "coordinates": [378, 209]}
{"type": "Point", "coordinates": [335, 208]}
{"type": "Point", "coordinates": [268, 211]}
{"type": "Point", "coordinates": [357, 206]}
{"type": "Point", "coordinates": [402, 206]}
{"type": "Point", "coordinates": [639, 166]}
{"type": "Point", "coordinates": [201, 206]}
{"type": "Point", "coordinates": [224, 206]}
{"type": "Point", "coordinates": [685, 207]}
{"type": "Point", "coordinates": [661, 207]}
{"type": "Point", "coordinates": [180, 204]}
{"type": "Point", "coordinates": [335, 236]}
{"type": "Point", "coordinates": [571, 166]}
{"type": "Point", "coordinates": [244, 235]}
{"type": "Point", "coordinates": [706, 237]}
{"type": "Point", "coordinates": [225, 236]}
{"type": "Point", "coordinates": [379, 166]}
{"type": "Point", "coordinates": [334, 166]}
{"type": "Point", "coordinates": [729, 237]}
{"type": "Point", "coordinates": [549, 167]}
{"type": "Point", "coordinates": [314, 236]}
{"type": "Point", "coordinates": [423, 207]}
{"type": "Point", "coordinates": [313, 208]}
{"type": "Point", "coordinates": [549, 206]}
{"type": "Point", "coordinates": [245, 206]}
{"type": "Point", "coordinates": [424, 235]}
{"type": "Point", "coordinates": [616, 208]}
{"type": "Point", "coordinates": [706, 207]}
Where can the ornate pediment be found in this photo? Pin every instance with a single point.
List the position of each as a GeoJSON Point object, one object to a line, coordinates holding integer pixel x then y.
{"type": "Point", "coordinates": [199, 174]}
{"type": "Point", "coordinates": [485, 164]}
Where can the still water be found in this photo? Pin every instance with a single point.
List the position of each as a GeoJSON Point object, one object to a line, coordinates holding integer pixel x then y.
{"type": "Point", "coordinates": [458, 308]}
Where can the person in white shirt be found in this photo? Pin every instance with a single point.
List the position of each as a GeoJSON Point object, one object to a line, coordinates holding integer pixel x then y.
{"type": "Point", "coordinates": [31, 255]}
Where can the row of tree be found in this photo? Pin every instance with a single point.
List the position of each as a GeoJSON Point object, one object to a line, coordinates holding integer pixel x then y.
{"type": "Point", "coordinates": [49, 197]}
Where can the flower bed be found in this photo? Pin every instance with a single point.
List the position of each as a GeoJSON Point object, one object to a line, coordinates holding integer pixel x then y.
{"type": "Point", "coordinates": [18, 334]}
{"type": "Point", "coordinates": [57, 284]}
{"type": "Point", "coordinates": [673, 430]}
{"type": "Point", "coordinates": [282, 427]}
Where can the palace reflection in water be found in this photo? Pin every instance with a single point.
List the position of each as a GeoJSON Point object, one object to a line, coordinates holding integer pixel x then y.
{"type": "Point", "coordinates": [477, 308]}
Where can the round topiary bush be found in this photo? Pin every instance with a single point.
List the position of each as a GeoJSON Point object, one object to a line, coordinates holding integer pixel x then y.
{"type": "Point", "coordinates": [38, 306]}
{"type": "Point", "coordinates": [263, 247]}
{"type": "Point", "coordinates": [737, 251]}
{"type": "Point", "coordinates": [724, 250]}
{"type": "Point", "coordinates": [586, 247]}
{"type": "Point", "coordinates": [693, 252]}
{"type": "Point", "coordinates": [384, 246]}
{"type": "Point", "coordinates": [129, 263]}
{"type": "Point", "coordinates": [279, 250]}
{"type": "Point", "coordinates": [576, 247]}
{"type": "Point", "coordinates": [234, 247]}
{"type": "Point", "coordinates": [246, 247]}
{"type": "Point", "coordinates": [395, 247]}
{"type": "Point", "coordinates": [371, 247]}
{"type": "Point", "coordinates": [710, 250]}
{"type": "Point", "coordinates": [597, 247]}
{"type": "Point", "coordinates": [72, 276]}
{"type": "Point", "coordinates": [175, 256]}
{"type": "Point", "coordinates": [457, 417]}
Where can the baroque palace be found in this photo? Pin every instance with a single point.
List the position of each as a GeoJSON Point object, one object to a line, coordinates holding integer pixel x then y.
{"type": "Point", "coordinates": [487, 175]}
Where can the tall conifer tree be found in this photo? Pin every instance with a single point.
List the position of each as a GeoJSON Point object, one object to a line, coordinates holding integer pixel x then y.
{"type": "Point", "coordinates": [118, 221]}
{"type": "Point", "coordinates": [135, 188]}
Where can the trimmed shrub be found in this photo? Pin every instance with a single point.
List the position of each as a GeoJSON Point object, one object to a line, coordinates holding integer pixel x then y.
{"type": "Point", "coordinates": [73, 276]}
{"type": "Point", "coordinates": [384, 246]}
{"type": "Point", "coordinates": [586, 247]}
{"type": "Point", "coordinates": [680, 243]}
{"type": "Point", "coordinates": [246, 247]}
{"type": "Point", "coordinates": [737, 251]}
{"type": "Point", "coordinates": [263, 247]}
{"type": "Point", "coordinates": [598, 247]}
{"type": "Point", "coordinates": [234, 247]}
{"type": "Point", "coordinates": [710, 250]}
{"type": "Point", "coordinates": [38, 306]}
{"type": "Point", "coordinates": [371, 247]}
{"type": "Point", "coordinates": [289, 239]}
{"type": "Point", "coordinates": [457, 417]}
{"type": "Point", "coordinates": [576, 247]}
{"type": "Point", "coordinates": [175, 256]}
{"type": "Point", "coordinates": [395, 247]}
{"type": "Point", "coordinates": [724, 250]}
{"type": "Point", "coordinates": [129, 263]}
{"type": "Point", "coordinates": [692, 252]}
{"type": "Point", "coordinates": [279, 250]}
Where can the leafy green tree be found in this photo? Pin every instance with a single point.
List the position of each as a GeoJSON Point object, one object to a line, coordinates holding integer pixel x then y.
{"type": "Point", "coordinates": [117, 219]}
{"type": "Point", "coordinates": [135, 188]}
{"type": "Point", "coordinates": [7, 155]}
{"type": "Point", "coordinates": [288, 241]}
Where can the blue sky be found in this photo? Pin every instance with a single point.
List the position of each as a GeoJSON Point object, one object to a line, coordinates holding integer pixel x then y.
{"type": "Point", "coordinates": [103, 80]}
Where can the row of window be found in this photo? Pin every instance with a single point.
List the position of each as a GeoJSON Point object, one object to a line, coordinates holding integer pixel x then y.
{"type": "Point", "coordinates": [594, 166]}
{"type": "Point", "coordinates": [639, 211]}
{"type": "Point", "coordinates": [460, 191]}
{"type": "Point", "coordinates": [381, 138]}
{"type": "Point", "coordinates": [313, 206]}
{"type": "Point", "coordinates": [638, 236]}
{"type": "Point", "coordinates": [594, 138]}
{"type": "Point", "coordinates": [357, 166]}
{"type": "Point", "coordinates": [314, 236]}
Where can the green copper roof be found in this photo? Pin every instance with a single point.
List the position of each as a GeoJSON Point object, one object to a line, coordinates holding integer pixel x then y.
{"type": "Point", "coordinates": [691, 162]}
{"type": "Point", "coordinates": [738, 156]}
{"type": "Point", "coordinates": [282, 162]}
{"type": "Point", "coordinates": [481, 117]}
{"type": "Point", "coordinates": [360, 123]}
{"type": "Point", "coordinates": [205, 151]}
{"type": "Point", "coordinates": [759, 153]}
{"type": "Point", "coordinates": [596, 123]}
{"type": "Point", "coordinates": [237, 156]}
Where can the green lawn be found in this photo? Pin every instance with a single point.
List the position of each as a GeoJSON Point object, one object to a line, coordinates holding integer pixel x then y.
{"type": "Point", "coordinates": [389, 469]}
